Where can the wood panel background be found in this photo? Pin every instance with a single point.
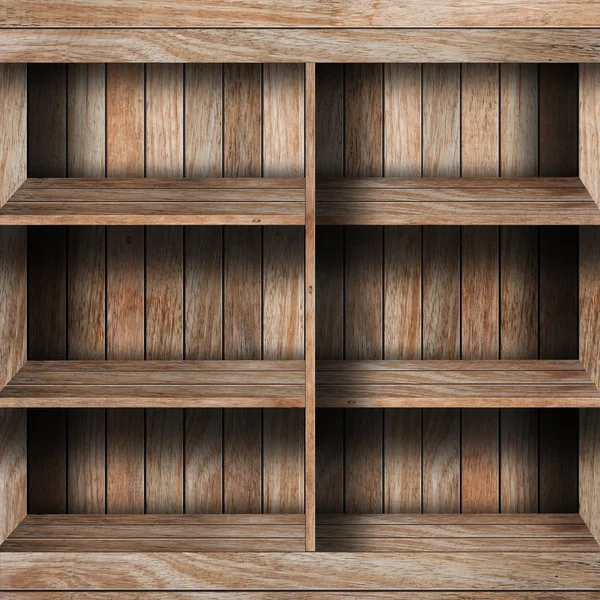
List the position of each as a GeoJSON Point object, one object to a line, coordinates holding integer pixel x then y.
{"type": "Point", "coordinates": [166, 292]}
{"type": "Point", "coordinates": [447, 292]}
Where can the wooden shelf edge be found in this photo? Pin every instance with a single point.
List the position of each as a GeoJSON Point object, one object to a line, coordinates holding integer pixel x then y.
{"type": "Point", "coordinates": [228, 201]}
{"type": "Point", "coordinates": [456, 201]}
{"type": "Point", "coordinates": [183, 384]}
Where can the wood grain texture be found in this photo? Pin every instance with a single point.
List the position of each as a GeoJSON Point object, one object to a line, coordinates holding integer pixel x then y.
{"type": "Point", "coordinates": [13, 466]}
{"type": "Point", "coordinates": [343, 45]}
{"type": "Point", "coordinates": [203, 120]}
{"type": "Point", "coordinates": [13, 129]}
{"type": "Point", "coordinates": [305, 570]}
{"type": "Point", "coordinates": [363, 13]}
{"type": "Point", "coordinates": [589, 122]}
{"type": "Point", "coordinates": [589, 301]}
{"type": "Point", "coordinates": [402, 120]}
{"type": "Point", "coordinates": [13, 302]}
{"type": "Point", "coordinates": [310, 143]}
{"type": "Point", "coordinates": [589, 470]}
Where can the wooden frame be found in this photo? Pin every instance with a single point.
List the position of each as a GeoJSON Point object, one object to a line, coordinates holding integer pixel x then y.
{"type": "Point", "coordinates": [325, 553]}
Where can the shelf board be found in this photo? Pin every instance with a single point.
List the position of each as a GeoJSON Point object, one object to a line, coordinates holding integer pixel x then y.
{"type": "Point", "coordinates": [448, 383]}
{"type": "Point", "coordinates": [210, 384]}
{"type": "Point", "coordinates": [456, 201]}
{"type": "Point", "coordinates": [232, 201]}
{"type": "Point", "coordinates": [461, 533]}
{"type": "Point", "coordinates": [158, 533]}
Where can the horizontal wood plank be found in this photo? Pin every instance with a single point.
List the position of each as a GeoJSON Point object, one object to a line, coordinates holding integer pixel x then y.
{"type": "Point", "coordinates": [156, 383]}
{"type": "Point", "coordinates": [477, 384]}
{"type": "Point", "coordinates": [458, 201]}
{"type": "Point", "coordinates": [345, 45]}
{"type": "Point", "coordinates": [307, 571]}
{"type": "Point", "coordinates": [156, 202]}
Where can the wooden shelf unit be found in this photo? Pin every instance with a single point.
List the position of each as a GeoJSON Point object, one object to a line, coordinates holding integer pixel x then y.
{"type": "Point", "coordinates": [155, 330]}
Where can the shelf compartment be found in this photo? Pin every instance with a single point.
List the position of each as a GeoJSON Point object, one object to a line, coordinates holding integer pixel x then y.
{"type": "Point", "coordinates": [449, 383]}
{"type": "Point", "coordinates": [208, 384]}
{"type": "Point", "coordinates": [231, 201]}
{"type": "Point", "coordinates": [158, 533]}
{"type": "Point", "coordinates": [462, 533]}
{"type": "Point", "coordinates": [456, 201]}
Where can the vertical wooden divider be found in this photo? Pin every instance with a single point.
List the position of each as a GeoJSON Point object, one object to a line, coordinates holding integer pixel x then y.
{"type": "Point", "coordinates": [310, 304]}
{"type": "Point", "coordinates": [125, 288]}
{"type": "Point", "coordinates": [46, 294]}
{"type": "Point", "coordinates": [164, 288]}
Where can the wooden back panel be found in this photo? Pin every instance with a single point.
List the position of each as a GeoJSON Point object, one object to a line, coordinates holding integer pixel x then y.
{"type": "Point", "coordinates": [447, 292]}
{"type": "Point", "coordinates": [166, 292]}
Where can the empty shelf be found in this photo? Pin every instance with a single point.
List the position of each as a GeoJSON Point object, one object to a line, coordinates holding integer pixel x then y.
{"type": "Point", "coordinates": [158, 533]}
{"type": "Point", "coordinates": [454, 533]}
{"type": "Point", "coordinates": [457, 201]}
{"type": "Point", "coordinates": [243, 201]}
{"type": "Point", "coordinates": [450, 383]}
{"type": "Point", "coordinates": [230, 384]}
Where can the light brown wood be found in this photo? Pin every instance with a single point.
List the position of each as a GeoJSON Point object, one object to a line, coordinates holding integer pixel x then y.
{"type": "Point", "coordinates": [589, 469]}
{"type": "Point", "coordinates": [13, 129]}
{"type": "Point", "coordinates": [454, 202]}
{"type": "Point", "coordinates": [336, 45]}
{"type": "Point", "coordinates": [305, 570]}
{"type": "Point", "coordinates": [589, 299]}
{"type": "Point", "coordinates": [589, 123]}
{"type": "Point", "coordinates": [138, 202]}
{"type": "Point", "coordinates": [349, 384]}
{"type": "Point", "coordinates": [174, 384]}
{"type": "Point", "coordinates": [13, 466]}
{"type": "Point", "coordinates": [310, 306]}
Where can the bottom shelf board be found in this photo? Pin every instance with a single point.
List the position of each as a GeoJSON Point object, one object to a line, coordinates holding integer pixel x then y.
{"type": "Point", "coordinates": [455, 533]}
{"type": "Point", "coordinates": [158, 533]}
{"type": "Point", "coordinates": [169, 383]}
{"type": "Point", "coordinates": [454, 384]}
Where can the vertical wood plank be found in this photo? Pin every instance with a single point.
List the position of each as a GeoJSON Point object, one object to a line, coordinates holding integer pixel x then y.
{"type": "Point", "coordinates": [283, 120]}
{"type": "Point", "coordinates": [13, 466]}
{"type": "Point", "coordinates": [441, 460]}
{"type": "Point", "coordinates": [441, 286]}
{"type": "Point", "coordinates": [203, 287]}
{"type": "Point", "coordinates": [364, 288]}
{"type": "Point", "coordinates": [519, 286]}
{"type": "Point", "coordinates": [589, 468]}
{"type": "Point", "coordinates": [402, 120]}
{"type": "Point", "coordinates": [310, 309]}
{"type": "Point", "coordinates": [559, 311]}
{"type": "Point", "coordinates": [125, 287]}
{"type": "Point", "coordinates": [402, 286]}
{"type": "Point", "coordinates": [13, 129]}
{"type": "Point", "coordinates": [164, 287]}
{"type": "Point", "coordinates": [589, 300]}
{"type": "Point", "coordinates": [242, 485]}
{"type": "Point", "coordinates": [46, 294]}
{"type": "Point", "coordinates": [86, 129]}
{"type": "Point", "coordinates": [203, 120]}
{"type": "Point", "coordinates": [242, 120]}
{"type": "Point", "coordinates": [203, 460]}
{"type": "Point", "coordinates": [164, 460]}
{"type": "Point", "coordinates": [329, 324]}
{"type": "Point", "coordinates": [589, 126]}
{"type": "Point", "coordinates": [283, 287]}
{"type": "Point", "coordinates": [480, 293]}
